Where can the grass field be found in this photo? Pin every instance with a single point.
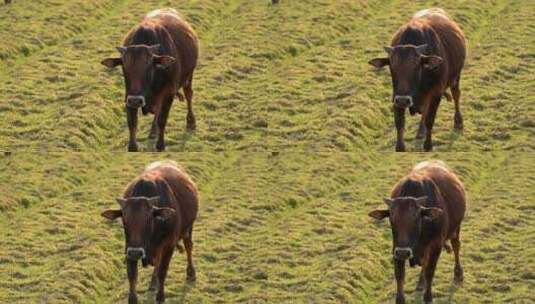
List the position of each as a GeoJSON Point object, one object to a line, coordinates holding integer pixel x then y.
{"type": "Point", "coordinates": [270, 77]}
{"type": "Point", "coordinates": [273, 228]}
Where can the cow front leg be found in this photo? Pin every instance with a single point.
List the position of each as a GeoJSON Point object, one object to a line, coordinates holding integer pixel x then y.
{"type": "Point", "coordinates": [154, 280]}
{"type": "Point", "coordinates": [429, 122]}
{"type": "Point", "coordinates": [131, 270]}
{"type": "Point", "coordinates": [162, 273]}
{"type": "Point", "coordinates": [131, 117]}
{"type": "Point", "coordinates": [154, 128]}
{"type": "Point", "coordinates": [399, 271]}
{"type": "Point", "coordinates": [162, 121]}
{"type": "Point", "coordinates": [429, 273]}
{"type": "Point", "coordinates": [399, 118]}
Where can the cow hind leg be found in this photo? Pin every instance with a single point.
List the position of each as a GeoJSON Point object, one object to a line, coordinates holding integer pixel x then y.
{"type": "Point", "coordinates": [190, 118]}
{"type": "Point", "coordinates": [154, 280]}
{"type": "Point", "coordinates": [154, 128]}
{"type": "Point", "coordinates": [458, 275]}
{"type": "Point", "coordinates": [421, 281]}
{"type": "Point", "coordinates": [457, 118]}
{"type": "Point", "coordinates": [421, 129]}
{"type": "Point", "coordinates": [188, 243]}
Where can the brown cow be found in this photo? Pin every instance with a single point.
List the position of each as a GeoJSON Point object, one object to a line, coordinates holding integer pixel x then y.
{"type": "Point", "coordinates": [426, 57]}
{"type": "Point", "coordinates": [158, 57]}
{"type": "Point", "coordinates": [158, 209]}
{"type": "Point", "coordinates": [425, 211]}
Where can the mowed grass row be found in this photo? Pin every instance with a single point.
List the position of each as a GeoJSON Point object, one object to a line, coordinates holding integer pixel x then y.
{"type": "Point", "coordinates": [292, 76]}
{"type": "Point", "coordinates": [273, 228]}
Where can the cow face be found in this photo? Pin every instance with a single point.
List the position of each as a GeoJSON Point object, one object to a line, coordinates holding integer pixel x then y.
{"type": "Point", "coordinates": [406, 215]}
{"type": "Point", "coordinates": [407, 63]}
{"type": "Point", "coordinates": [139, 64]}
{"type": "Point", "coordinates": [138, 215]}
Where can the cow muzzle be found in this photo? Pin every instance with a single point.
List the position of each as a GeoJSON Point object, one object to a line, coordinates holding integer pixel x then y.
{"type": "Point", "coordinates": [403, 253]}
{"type": "Point", "coordinates": [135, 101]}
{"type": "Point", "coordinates": [135, 253]}
{"type": "Point", "coordinates": [403, 102]}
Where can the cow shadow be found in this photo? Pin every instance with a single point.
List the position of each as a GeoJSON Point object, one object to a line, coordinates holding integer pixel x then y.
{"type": "Point", "coordinates": [438, 297]}
{"type": "Point", "coordinates": [175, 143]}
{"type": "Point", "coordinates": [172, 296]}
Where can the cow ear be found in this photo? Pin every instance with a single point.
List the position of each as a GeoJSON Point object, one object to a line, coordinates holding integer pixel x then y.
{"type": "Point", "coordinates": [379, 62]}
{"type": "Point", "coordinates": [431, 213]}
{"type": "Point", "coordinates": [431, 62]}
{"type": "Point", "coordinates": [111, 62]}
{"type": "Point", "coordinates": [379, 214]}
{"type": "Point", "coordinates": [164, 61]}
{"type": "Point", "coordinates": [112, 214]}
{"type": "Point", "coordinates": [163, 212]}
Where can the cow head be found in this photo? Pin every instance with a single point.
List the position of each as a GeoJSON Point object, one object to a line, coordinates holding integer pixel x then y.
{"type": "Point", "coordinates": [406, 215]}
{"type": "Point", "coordinates": [407, 63]}
{"type": "Point", "coordinates": [138, 215]}
{"type": "Point", "coordinates": [139, 64]}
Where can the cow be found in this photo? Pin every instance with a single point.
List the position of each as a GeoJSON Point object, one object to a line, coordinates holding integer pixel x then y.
{"type": "Point", "coordinates": [158, 58]}
{"type": "Point", "coordinates": [425, 209]}
{"type": "Point", "coordinates": [158, 209]}
{"type": "Point", "coordinates": [426, 57]}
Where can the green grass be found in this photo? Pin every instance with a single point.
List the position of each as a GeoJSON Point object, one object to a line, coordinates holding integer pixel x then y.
{"type": "Point", "coordinates": [270, 78]}
{"type": "Point", "coordinates": [273, 228]}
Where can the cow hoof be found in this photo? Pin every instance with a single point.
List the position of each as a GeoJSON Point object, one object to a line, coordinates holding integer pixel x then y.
{"type": "Point", "coordinates": [132, 147]}
{"type": "Point", "coordinates": [132, 299]}
{"type": "Point", "coordinates": [400, 147]}
{"type": "Point", "coordinates": [428, 146]}
{"type": "Point", "coordinates": [191, 126]}
{"type": "Point", "coordinates": [190, 123]}
{"type": "Point", "coordinates": [160, 297]}
{"type": "Point", "coordinates": [160, 146]}
{"type": "Point", "coordinates": [191, 275]}
{"type": "Point", "coordinates": [458, 124]}
{"type": "Point", "coordinates": [458, 277]}
{"type": "Point", "coordinates": [428, 297]}
{"type": "Point", "coordinates": [400, 299]}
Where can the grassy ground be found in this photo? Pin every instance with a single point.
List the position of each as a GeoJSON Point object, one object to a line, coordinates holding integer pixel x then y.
{"type": "Point", "coordinates": [273, 228]}
{"type": "Point", "coordinates": [290, 76]}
